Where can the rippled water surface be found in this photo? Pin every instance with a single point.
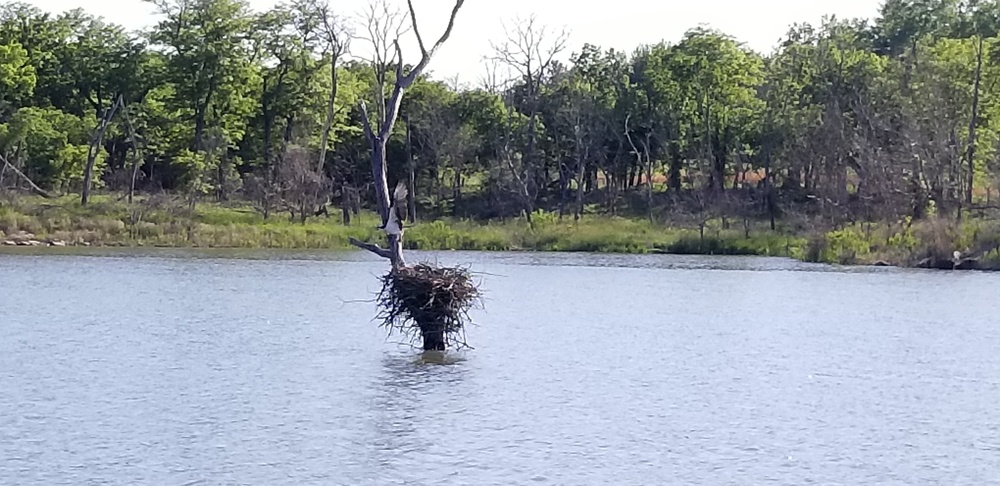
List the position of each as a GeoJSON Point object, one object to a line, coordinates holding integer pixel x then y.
{"type": "Point", "coordinates": [258, 368]}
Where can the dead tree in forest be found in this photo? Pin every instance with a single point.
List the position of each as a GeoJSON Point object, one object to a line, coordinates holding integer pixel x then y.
{"type": "Point", "coordinates": [299, 187]}
{"type": "Point", "coordinates": [136, 155]}
{"type": "Point", "coordinates": [644, 164]}
{"type": "Point", "coordinates": [973, 121]}
{"type": "Point", "coordinates": [530, 52]}
{"type": "Point", "coordinates": [337, 40]}
{"type": "Point", "coordinates": [95, 147]}
{"type": "Point", "coordinates": [34, 187]}
{"type": "Point", "coordinates": [435, 299]}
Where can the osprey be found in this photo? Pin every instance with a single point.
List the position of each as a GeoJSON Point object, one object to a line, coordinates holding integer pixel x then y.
{"type": "Point", "coordinates": [397, 211]}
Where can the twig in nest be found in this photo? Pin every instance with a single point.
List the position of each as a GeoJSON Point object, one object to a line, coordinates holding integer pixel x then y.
{"type": "Point", "coordinates": [429, 302]}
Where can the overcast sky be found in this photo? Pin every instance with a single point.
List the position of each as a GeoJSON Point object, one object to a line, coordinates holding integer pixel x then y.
{"type": "Point", "coordinates": [623, 24]}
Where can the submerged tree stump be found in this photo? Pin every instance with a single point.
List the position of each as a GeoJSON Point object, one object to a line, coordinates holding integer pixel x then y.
{"type": "Point", "coordinates": [428, 302]}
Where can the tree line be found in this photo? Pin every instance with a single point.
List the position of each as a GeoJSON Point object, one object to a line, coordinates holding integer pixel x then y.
{"type": "Point", "coordinates": [849, 120]}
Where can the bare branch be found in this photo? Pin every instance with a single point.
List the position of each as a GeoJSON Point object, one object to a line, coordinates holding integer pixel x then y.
{"type": "Point", "coordinates": [416, 30]}
{"type": "Point", "coordinates": [365, 122]}
{"type": "Point", "coordinates": [383, 25]}
{"type": "Point", "coordinates": [528, 50]}
{"type": "Point", "coordinates": [389, 111]}
{"type": "Point", "coordinates": [399, 60]}
{"type": "Point", "coordinates": [426, 56]}
{"type": "Point", "coordinates": [378, 250]}
{"type": "Point", "coordinates": [34, 188]}
{"type": "Point", "coordinates": [628, 135]}
{"type": "Point", "coordinates": [335, 32]}
{"type": "Point", "coordinates": [451, 24]}
{"type": "Point", "coordinates": [492, 81]}
{"type": "Point", "coordinates": [404, 82]}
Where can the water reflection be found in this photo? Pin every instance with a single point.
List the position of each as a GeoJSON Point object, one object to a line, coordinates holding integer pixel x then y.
{"type": "Point", "coordinates": [412, 394]}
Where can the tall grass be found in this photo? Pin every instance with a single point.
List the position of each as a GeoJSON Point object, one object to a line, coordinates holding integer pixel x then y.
{"type": "Point", "coordinates": [171, 223]}
{"type": "Point", "coordinates": [907, 242]}
{"type": "Point", "coordinates": [158, 222]}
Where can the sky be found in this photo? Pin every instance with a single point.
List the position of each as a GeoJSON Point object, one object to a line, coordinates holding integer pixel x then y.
{"type": "Point", "coordinates": [623, 25]}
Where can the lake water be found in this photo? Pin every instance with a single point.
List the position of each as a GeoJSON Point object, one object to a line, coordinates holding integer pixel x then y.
{"type": "Point", "coordinates": [230, 368]}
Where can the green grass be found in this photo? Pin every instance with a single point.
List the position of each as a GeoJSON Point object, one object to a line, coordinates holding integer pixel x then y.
{"type": "Point", "coordinates": [153, 222]}
{"type": "Point", "coordinates": [170, 223]}
{"type": "Point", "coordinates": [109, 222]}
{"type": "Point", "coordinates": [906, 243]}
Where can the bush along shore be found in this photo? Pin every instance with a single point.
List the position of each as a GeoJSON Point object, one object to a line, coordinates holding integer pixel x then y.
{"type": "Point", "coordinates": [166, 222]}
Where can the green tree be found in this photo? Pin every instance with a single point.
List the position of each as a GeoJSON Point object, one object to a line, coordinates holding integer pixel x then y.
{"type": "Point", "coordinates": [719, 78]}
{"type": "Point", "coordinates": [17, 78]}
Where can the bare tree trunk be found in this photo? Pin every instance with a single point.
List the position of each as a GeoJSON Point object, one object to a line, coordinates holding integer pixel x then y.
{"type": "Point", "coordinates": [581, 169]}
{"type": "Point", "coordinates": [709, 156]}
{"type": "Point", "coordinates": [644, 165]}
{"type": "Point", "coordinates": [411, 198]}
{"type": "Point", "coordinates": [456, 192]}
{"type": "Point", "coordinates": [524, 194]}
{"type": "Point", "coordinates": [95, 147]}
{"type": "Point", "coordinates": [971, 154]}
{"type": "Point", "coordinates": [395, 251]}
{"type": "Point", "coordinates": [768, 195]}
{"type": "Point", "coordinates": [330, 110]}
{"type": "Point", "coordinates": [378, 136]}
{"type": "Point", "coordinates": [136, 158]}
{"type": "Point", "coordinates": [649, 177]}
{"type": "Point", "coordinates": [345, 204]}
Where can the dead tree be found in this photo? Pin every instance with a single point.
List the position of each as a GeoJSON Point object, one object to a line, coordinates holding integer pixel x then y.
{"type": "Point", "coordinates": [95, 147]}
{"type": "Point", "coordinates": [644, 164]}
{"type": "Point", "coordinates": [337, 40]}
{"type": "Point", "coordinates": [411, 180]}
{"type": "Point", "coordinates": [136, 154]}
{"type": "Point", "coordinates": [973, 121]}
{"type": "Point", "coordinates": [299, 186]}
{"type": "Point", "coordinates": [418, 300]}
{"type": "Point", "coordinates": [529, 51]}
{"type": "Point", "coordinates": [32, 185]}
{"type": "Point", "coordinates": [379, 129]}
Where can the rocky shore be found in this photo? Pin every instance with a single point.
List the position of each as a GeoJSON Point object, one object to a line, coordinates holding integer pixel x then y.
{"type": "Point", "coordinates": [23, 238]}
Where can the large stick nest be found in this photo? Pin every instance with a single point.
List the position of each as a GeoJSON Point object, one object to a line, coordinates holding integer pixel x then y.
{"type": "Point", "coordinates": [428, 302]}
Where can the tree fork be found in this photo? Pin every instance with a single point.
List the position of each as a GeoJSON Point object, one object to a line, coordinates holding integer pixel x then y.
{"type": "Point", "coordinates": [95, 147]}
{"type": "Point", "coordinates": [378, 135]}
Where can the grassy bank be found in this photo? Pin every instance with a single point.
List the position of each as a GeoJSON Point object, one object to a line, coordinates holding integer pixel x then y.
{"type": "Point", "coordinates": [108, 222]}
{"type": "Point", "coordinates": [170, 223]}
{"type": "Point", "coordinates": [928, 243]}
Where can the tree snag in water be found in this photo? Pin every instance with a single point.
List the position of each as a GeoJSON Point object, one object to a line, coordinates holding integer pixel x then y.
{"type": "Point", "coordinates": [420, 298]}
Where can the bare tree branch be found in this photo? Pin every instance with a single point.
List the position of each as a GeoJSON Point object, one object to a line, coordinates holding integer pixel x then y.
{"type": "Point", "coordinates": [416, 30]}
{"type": "Point", "coordinates": [390, 111]}
{"type": "Point", "coordinates": [528, 50]}
{"type": "Point", "coordinates": [384, 26]}
{"type": "Point", "coordinates": [399, 59]}
{"type": "Point", "coordinates": [365, 121]}
{"type": "Point", "coordinates": [426, 56]}
{"type": "Point", "coordinates": [337, 39]}
{"type": "Point", "coordinates": [34, 187]}
{"type": "Point", "coordinates": [378, 250]}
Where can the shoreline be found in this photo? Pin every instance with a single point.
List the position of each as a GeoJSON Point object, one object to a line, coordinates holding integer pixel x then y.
{"type": "Point", "coordinates": [117, 248]}
{"type": "Point", "coordinates": [29, 222]}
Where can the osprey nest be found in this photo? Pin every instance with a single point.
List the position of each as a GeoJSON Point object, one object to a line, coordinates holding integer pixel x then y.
{"type": "Point", "coordinates": [429, 302]}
